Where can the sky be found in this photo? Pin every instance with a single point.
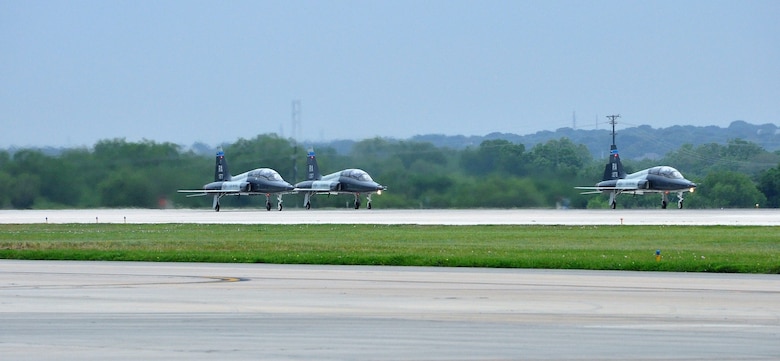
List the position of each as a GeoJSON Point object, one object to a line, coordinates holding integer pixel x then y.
{"type": "Point", "coordinates": [73, 73]}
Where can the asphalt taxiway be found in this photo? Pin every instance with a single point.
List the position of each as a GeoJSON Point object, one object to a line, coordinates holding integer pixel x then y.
{"type": "Point", "coordinates": [181, 311]}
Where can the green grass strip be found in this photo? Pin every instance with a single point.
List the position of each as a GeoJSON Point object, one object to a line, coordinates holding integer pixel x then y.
{"type": "Point", "coordinates": [740, 249]}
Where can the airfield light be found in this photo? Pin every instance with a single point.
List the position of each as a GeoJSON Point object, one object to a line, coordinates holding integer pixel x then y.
{"type": "Point", "coordinates": [379, 192]}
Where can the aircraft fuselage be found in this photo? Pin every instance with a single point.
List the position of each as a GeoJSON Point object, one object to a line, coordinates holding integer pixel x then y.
{"type": "Point", "coordinates": [347, 181]}
{"type": "Point", "coordinates": [661, 178]}
{"type": "Point", "coordinates": [261, 180]}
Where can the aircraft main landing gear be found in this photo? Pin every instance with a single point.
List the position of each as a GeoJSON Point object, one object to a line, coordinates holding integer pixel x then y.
{"type": "Point", "coordinates": [612, 202]}
{"type": "Point", "coordinates": [215, 204]}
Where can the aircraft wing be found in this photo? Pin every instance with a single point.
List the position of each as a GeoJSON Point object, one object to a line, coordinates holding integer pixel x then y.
{"type": "Point", "coordinates": [611, 188]}
{"type": "Point", "coordinates": [626, 189]}
{"type": "Point", "coordinates": [591, 192]}
{"type": "Point", "coordinates": [315, 190]}
{"type": "Point", "coordinates": [205, 192]}
{"type": "Point", "coordinates": [193, 192]}
{"type": "Point", "coordinates": [631, 190]}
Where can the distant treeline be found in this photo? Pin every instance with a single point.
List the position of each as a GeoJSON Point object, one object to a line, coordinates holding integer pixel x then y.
{"type": "Point", "coordinates": [496, 173]}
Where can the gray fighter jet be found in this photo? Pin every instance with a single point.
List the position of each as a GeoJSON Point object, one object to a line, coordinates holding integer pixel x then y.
{"type": "Point", "coordinates": [660, 179]}
{"type": "Point", "coordinates": [354, 181]}
{"type": "Point", "coordinates": [260, 181]}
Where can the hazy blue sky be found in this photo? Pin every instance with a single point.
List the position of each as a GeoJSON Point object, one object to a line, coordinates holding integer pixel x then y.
{"type": "Point", "coordinates": [75, 72]}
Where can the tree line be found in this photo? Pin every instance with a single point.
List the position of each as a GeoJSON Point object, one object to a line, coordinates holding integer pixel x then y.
{"type": "Point", "coordinates": [495, 174]}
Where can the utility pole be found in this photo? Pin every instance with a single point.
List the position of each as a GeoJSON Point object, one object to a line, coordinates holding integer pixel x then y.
{"type": "Point", "coordinates": [613, 121]}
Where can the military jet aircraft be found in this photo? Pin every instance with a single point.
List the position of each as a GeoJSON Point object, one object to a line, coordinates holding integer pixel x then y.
{"type": "Point", "coordinates": [660, 179]}
{"type": "Point", "coordinates": [260, 181]}
{"type": "Point", "coordinates": [353, 181]}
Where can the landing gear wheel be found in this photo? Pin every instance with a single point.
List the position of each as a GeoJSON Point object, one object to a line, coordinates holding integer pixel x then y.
{"type": "Point", "coordinates": [613, 205]}
{"type": "Point", "coordinates": [267, 206]}
{"type": "Point", "coordinates": [308, 205]}
{"type": "Point", "coordinates": [680, 204]}
{"type": "Point", "coordinates": [368, 205]}
{"type": "Point", "coordinates": [280, 207]}
{"type": "Point", "coordinates": [357, 204]}
{"type": "Point", "coordinates": [216, 208]}
{"type": "Point", "coordinates": [663, 205]}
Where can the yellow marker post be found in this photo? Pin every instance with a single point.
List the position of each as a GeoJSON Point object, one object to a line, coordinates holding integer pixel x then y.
{"type": "Point", "coordinates": [658, 255]}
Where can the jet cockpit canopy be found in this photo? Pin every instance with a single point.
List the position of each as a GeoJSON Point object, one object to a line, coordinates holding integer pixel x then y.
{"type": "Point", "coordinates": [266, 173]}
{"type": "Point", "coordinates": [665, 171]}
{"type": "Point", "coordinates": [358, 174]}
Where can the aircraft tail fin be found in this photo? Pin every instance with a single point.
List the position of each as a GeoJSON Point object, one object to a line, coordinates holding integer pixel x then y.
{"type": "Point", "coordinates": [221, 172]}
{"type": "Point", "coordinates": [614, 169]}
{"type": "Point", "coordinates": [312, 169]}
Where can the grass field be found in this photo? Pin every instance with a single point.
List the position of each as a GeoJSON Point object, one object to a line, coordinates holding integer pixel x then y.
{"type": "Point", "coordinates": [742, 249]}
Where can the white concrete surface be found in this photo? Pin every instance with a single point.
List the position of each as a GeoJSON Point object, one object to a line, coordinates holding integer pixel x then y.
{"type": "Point", "coordinates": [762, 217]}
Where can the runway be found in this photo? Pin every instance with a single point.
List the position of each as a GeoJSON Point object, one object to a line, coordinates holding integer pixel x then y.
{"type": "Point", "coordinates": [755, 217]}
{"type": "Point", "coordinates": [131, 311]}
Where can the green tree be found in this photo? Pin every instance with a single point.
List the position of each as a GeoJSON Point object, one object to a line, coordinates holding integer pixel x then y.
{"type": "Point", "coordinates": [496, 155]}
{"type": "Point", "coordinates": [769, 184]}
{"type": "Point", "coordinates": [742, 150]}
{"type": "Point", "coordinates": [411, 152]}
{"type": "Point", "coordinates": [726, 189]}
{"type": "Point", "coordinates": [5, 178]}
{"type": "Point", "coordinates": [561, 157]}
{"type": "Point", "coordinates": [26, 190]}
{"type": "Point", "coordinates": [126, 188]}
{"type": "Point", "coordinates": [496, 191]}
{"type": "Point", "coordinates": [263, 151]}
{"type": "Point", "coordinates": [29, 170]}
